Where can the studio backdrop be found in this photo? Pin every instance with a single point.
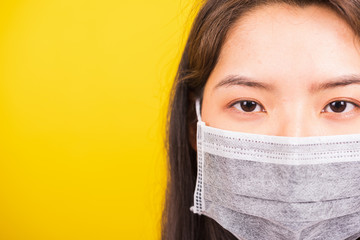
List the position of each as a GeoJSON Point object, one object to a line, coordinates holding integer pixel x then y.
{"type": "Point", "coordinates": [83, 97]}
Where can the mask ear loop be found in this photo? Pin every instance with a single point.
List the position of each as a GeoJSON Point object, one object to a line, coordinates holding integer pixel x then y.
{"type": "Point", "coordinates": [199, 201]}
{"type": "Point", "coordinates": [198, 111]}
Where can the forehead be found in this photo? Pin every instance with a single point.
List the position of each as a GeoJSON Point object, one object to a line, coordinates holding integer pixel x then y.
{"type": "Point", "coordinates": [280, 42]}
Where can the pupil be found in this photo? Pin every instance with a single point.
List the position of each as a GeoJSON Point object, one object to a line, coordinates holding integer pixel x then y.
{"type": "Point", "coordinates": [338, 106]}
{"type": "Point", "coordinates": [248, 106]}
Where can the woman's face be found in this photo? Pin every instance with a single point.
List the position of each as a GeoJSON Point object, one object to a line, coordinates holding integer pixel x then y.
{"type": "Point", "coordinates": [286, 71]}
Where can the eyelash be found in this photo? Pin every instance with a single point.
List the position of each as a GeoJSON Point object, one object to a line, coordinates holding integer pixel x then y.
{"type": "Point", "coordinates": [263, 110]}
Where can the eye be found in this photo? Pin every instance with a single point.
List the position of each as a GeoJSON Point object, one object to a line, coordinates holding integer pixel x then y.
{"type": "Point", "coordinates": [340, 107]}
{"type": "Point", "coordinates": [248, 106]}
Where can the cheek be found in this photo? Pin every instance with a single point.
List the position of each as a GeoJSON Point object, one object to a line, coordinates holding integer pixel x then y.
{"type": "Point", "coordinates": [333, 127]}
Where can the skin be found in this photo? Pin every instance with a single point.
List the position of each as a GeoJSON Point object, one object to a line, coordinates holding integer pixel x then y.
{"type": "Point", "coordinates": [292, 49]}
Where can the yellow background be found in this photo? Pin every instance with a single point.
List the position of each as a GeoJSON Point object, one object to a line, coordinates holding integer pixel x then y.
{"type": "Point", "coordinates": [83, 94]}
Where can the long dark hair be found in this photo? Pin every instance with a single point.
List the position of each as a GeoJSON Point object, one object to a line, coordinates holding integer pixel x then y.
{"type": "Point", "coordinates": [199, 58]}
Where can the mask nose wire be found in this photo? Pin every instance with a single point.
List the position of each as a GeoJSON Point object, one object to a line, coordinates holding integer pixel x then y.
{"type": "Point", "coordinates": [198, 111]}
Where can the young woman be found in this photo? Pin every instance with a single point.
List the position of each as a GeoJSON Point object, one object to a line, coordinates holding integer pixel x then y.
{"type": "Point", "coordinates": [280, 71]}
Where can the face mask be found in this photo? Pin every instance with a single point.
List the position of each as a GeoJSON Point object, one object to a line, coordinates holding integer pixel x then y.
{"type": "Point", "coordinates": [274, 187]}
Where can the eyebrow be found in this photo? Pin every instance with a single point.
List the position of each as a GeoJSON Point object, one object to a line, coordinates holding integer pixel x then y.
{"type": "Point", "coordinates": [340, 81]}
{"type": "Point", "coordinates": [236, 80]}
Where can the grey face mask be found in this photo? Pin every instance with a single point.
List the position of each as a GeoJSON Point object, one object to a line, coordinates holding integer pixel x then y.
{"type": "Point", "coordinates": [274, 187]}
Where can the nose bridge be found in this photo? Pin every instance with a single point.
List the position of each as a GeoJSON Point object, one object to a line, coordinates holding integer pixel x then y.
{"type": "Point", "coordinates": [296, 120]}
